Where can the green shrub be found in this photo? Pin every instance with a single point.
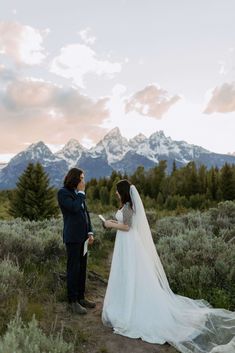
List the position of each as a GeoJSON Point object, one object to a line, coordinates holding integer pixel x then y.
{"type": "Point", "coordinates": [198, 254]}
{"type": "Point", "coordinates": [222, 218]}
{"type": "Point", "coordinates": [31, 242]}
{"type": "Point", "coordinates": [10, 279]}
{"type": "Point", "coordinates": [219, 221]}
{"type": "Point", "coordinates": [22, 338]}
{"type": "Point", "coordinates": [197, 264]}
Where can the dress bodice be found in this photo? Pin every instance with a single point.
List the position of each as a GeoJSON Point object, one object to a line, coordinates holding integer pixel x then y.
{"type": "Point", "coordinates": [119, 216]}
{"type": "Point", "coordinates": [124, 214]}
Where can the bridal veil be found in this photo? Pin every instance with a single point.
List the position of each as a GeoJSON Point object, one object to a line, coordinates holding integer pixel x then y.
{"type": "Point", "coordinates": [193, 326]}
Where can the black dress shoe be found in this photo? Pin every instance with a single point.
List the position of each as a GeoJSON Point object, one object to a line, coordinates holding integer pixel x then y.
{"type": "Point", "coordinates": [87, 303]}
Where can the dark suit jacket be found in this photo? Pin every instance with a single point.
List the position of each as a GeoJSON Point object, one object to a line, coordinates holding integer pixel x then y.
{"type": "Point", "coordinates": [76, 217]}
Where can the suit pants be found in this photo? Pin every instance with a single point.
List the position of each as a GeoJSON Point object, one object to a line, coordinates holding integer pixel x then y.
{"type": "Point", "coordinates": [76, 271]}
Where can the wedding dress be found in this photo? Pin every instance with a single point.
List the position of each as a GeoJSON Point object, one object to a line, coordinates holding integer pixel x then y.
{"type": "Point", "coordinates": [140, 304]}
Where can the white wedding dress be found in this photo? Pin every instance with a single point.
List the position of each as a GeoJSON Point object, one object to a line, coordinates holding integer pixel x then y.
{"type": "Point", "coordinates": [140, 304]}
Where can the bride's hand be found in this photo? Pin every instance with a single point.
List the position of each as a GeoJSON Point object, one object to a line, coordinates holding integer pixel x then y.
{"type": "Point", "coordinates": [108, 224]}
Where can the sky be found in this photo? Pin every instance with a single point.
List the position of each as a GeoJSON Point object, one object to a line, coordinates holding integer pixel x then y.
{"type": "Point", "coordinates": [77, 69]}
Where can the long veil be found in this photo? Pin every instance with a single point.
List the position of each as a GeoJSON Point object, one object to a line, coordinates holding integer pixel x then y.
{"type": "Point", "coordinates": [195, 326]}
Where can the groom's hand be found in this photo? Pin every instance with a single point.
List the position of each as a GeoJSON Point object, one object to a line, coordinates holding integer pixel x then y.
{"type": "Point", "coordinates": [91, 239]}
{"type": "Point", "coordinates": [81, 186]}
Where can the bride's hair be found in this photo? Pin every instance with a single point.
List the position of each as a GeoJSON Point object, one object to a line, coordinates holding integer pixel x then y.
{"type": "Point", "coordinates": [123, 188]}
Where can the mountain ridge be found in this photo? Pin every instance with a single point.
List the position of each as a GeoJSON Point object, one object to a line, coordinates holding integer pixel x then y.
{"type": "Point", "coordinates": [113, 152]}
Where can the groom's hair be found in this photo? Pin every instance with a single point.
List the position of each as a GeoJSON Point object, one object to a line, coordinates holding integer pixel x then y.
{"type": "Point", "coordinates": [123, 188]}
{"type": "Point", "coordinates": [72, 178]}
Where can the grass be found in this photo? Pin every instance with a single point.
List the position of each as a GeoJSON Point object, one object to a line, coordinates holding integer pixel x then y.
{"type": "Point", "coordinates": [44, 291]}
{"type": "Point", "coordinates": [44, 296]}
{"type": "Point", "coordinates": [103, 350]}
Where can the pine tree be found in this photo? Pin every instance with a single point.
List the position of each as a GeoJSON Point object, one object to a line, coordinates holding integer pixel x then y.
{"type": "Point", "coordinates": [93, 189]}
{"type": "Point", "coordinates": [174, 168]}
{"type": "Point", "coordinates": [213, 182]}
{"type": "Point", "coordinates": [157, 176]}
{"type": "Point", "coordinates": [227, 182]}
{"type": "Point", "coordinates": [202, 179]}
{"type": "Point", "coordinates": [160, 200]}
{"type": "Point", "coordinates": [104, 195]}
{"type": "Point", "coordinates": [34, 199]}
{"type": "Point", "coordinates": [192, 179]}
{"type": "Point", "coordinates": [138, 179]}
{"type": "Point", "coordinates": [113, 200]}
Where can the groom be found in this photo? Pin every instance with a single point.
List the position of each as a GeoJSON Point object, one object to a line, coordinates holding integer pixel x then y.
{"type": "Point", "coordinates": [77, 233]}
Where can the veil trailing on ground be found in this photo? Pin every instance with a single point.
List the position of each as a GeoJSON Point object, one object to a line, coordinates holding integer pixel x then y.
{"type": "Point", "coordinates": [194, 326]}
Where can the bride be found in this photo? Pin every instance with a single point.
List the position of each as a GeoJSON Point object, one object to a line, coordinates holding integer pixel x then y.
{"type": "Point", "coordinates": [139, 302]}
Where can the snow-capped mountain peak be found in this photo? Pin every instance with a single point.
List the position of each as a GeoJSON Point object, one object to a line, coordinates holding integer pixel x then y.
{"type": "Point", "coordinates": [71, 145]}
{"type": "Point", "coordinates": [114, 145]}
{"type": "Point", "coordinates": [140, 144]}
{"type": "Point", "coordinates": [137, 139]}
{"type": "Point", "coordinates": [114, 133]}
{"type": "Point", "coordinates": [36, 151]}
{"type": "Point", "coordinates": [159, 136]}
{"type": "Point", "coordinates": [141, 136]}
{"type": "Point", "coordinates": [39, 144]}
{"type": "Point", "coordinates": [71, 152]}
{"type": "Point", "coordinates": [162, 145]}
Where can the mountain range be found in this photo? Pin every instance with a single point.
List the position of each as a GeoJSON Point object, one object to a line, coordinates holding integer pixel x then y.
{"type": "Point", "coordinates": [113, 152]}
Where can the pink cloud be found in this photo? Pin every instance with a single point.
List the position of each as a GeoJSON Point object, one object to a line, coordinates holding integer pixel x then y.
{"type": "Point", "coordinates": [222, 99]}
{"type": "Point", "coordinates": [32, 110]}
{"type": "Point", "coordinates": [152, 101]}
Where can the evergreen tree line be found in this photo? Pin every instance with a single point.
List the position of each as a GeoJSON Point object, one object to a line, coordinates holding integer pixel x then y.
{"type": "Point", "coordinates": [186, 187]}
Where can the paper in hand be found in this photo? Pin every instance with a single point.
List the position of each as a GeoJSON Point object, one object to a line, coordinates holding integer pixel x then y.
{"type": "Point", "coordinates": [85, 247]}
{"type": "Point", "coordinates": [101, 217]}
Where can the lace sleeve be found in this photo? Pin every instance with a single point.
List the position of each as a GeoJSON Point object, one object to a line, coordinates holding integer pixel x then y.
{"type": "Point", "coordinates": [127, 214]}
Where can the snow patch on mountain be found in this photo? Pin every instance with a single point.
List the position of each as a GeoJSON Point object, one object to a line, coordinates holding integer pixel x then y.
{"type": "Point", "coordinates": [114, 145]}
{"type": "Point", "coordinates": [36, 152]}
{"type": "Point", "coordinates": [113, 152]}
{"type": "Point", "coordinates": [71, 152]}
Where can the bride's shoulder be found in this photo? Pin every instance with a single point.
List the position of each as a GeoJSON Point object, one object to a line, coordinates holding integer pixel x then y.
{"type": "Point", "coordinates": [127, 208]}
{"type": "Point", "coordinates": [127, 213]}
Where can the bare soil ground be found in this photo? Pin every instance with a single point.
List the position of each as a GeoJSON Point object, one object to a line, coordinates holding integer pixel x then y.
{"type": "Point", "coordinates": [93, 336]}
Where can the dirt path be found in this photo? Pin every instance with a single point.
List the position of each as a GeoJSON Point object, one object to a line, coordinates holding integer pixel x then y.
{"type": "Point", "coordinates": [94, 337]}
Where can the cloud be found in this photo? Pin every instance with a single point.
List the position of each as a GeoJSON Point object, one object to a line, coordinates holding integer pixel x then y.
{"type": "Point", "coordinates": [118, 90]}
{"type": "Point", "coordinates": [86, 36]}
{"type": "Point", "coordinates": [22, 94]}
{"type": "Point", "coordinates": [33, 110]}
{"type": "Point", "coordinates": [77, 60]}
{"type": "Point", "coordinates": [152, 101]}
{"type": "Point", "coordinates": [6, 74]}
{"type": "Point", "coordinates": [222, 99]}
{"type": "Point", "coordinates": [22, 44]}
{"type": "Point", "coordinates": [227, 67]}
